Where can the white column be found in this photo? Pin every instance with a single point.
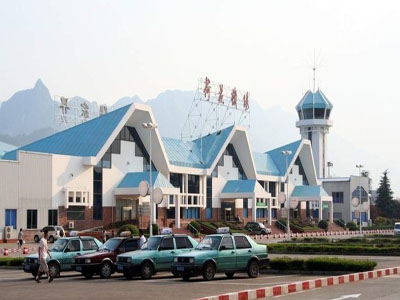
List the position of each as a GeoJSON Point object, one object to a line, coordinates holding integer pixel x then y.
{"type": "Point", "coordinates": [253, 209]}
{"type": "Point", "coordinates": [269, 211]}
{"type": "Point", "coordinates": [320, 209]}
{"type": "Point", "coordinates": [177, 199]}
{"type": "Point", "coordinates": [331, 212]}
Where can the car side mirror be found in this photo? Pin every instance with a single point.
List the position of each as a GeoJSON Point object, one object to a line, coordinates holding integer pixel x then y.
{"type": "Point", "coordinates": [222, 248]}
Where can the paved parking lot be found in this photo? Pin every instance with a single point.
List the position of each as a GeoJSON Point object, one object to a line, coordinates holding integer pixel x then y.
{"type": "Point", "coordinates": [15, 284]}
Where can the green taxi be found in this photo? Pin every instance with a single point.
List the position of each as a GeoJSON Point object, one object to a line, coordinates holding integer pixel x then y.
{"type": "Point", "coordinates": [62, 253]}
{"type": "Point", "coordinates": [222, 253]}
{"type": "Point", "coordinates": [156, 255]}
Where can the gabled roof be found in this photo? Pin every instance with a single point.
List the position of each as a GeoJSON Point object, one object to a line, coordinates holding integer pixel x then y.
{"type": "Point", "coordinates": [4, 148]}
{"type": "Point", "coordinates": [85, 139]}
{"type": "Point", "coordinates": [279, 159]}
{"type": "Point", "coordinates": [189, 154]}
{"type": "Point", "coordinates": [314, 100]}
{"type": "Point", "coordinates": [265, 165]}
{"type": "Point", "coordinates": [133, 179]}
{"type": "Point", "coordinates": [309, 191]}
{"type": "Point", "coordinates": [239, 186]}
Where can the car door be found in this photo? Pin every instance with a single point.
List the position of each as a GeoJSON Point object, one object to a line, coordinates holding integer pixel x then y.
{"type": "Point", "coordinates": [165, 255]}
{"type": "Point", "coordinates": [71, 250]}
{"type": "Point", "coordinates": [183, 245]}
{"type": "Point", "coordinates": [226, 255]}
{"type": "Point", "coordinates": [89, 246]}
{"type": "Point", "coordinates": [129, 245]}
{"type": "Point", "coordinates": [243, 252]}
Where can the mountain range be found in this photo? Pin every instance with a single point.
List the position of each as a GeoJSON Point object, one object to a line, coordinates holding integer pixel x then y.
{"type": "Point", "coordinates": [32, 114]}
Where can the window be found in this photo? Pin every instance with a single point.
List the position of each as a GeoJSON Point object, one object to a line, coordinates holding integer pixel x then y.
{"type": "Point", "coordinates": [130, 245]}
{"type": "Point", "coordinates": [73, 246]}
{"type": "Point", "coordinates": [191, 213]}
{"type": "Point", "coordinates": [89, 245]}
{"type": "Point", "coordinates": [193, 184]}
{"type": "Point", "coordinates": [176, 180]}
{"type": "Point", "coordinates": [356, 193]}
{"type": "Point", "coordinates": [245, 208]}
{"type": "Point", "coordinates": [53, 217]}
{"type": "Point", "coordinates": [171, 213]}
{"type": "Point", "coordinates": [31, 219]}
{"type": "Point", "coordinates": [167, 244]}
{"type": "Point", "coordinates": [319, 113]}
{"type": "Point", "coordinates": [272, 189]}
{"type": "Point", "coordinates": [230, 150]}
{"type": "Point", "coordinates": [242, 242]}
{"type": "Point", "coordinates": [75, 213]}
{"type": "Point", "coordinates": [183, 243]}
{"type": "Point", "coordinates": [209, 198]}
{"type": "Point", "coordinates": [308, 113]}
{"type": "Point", "coordinates": [227, 244]}
{"type": "Point", "coordinates": [11, 218]}
{"type": "Point", "coordinates": [301, 171]}
{"type": "Point", "coordinates": [310, 136]}
{"type": "Point", "coordinates": [282, 187]}
{"type": "Point", "coordinates": [97, 193]}
{"type": "Point", "coordinates": [337, 197]}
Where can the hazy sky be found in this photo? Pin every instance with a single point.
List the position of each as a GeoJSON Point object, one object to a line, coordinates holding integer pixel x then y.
{"type": "Point", "coordinates": [104, 50]}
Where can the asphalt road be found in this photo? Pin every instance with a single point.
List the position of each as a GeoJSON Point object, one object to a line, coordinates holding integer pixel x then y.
{"type": "Point", "coordinates": [385, 288]}
{"type": "Point", "coordinates": [15, 284]}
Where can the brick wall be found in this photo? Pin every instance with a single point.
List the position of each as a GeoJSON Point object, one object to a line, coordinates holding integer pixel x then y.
{"type": "Point", "coordinates": [109, 216]}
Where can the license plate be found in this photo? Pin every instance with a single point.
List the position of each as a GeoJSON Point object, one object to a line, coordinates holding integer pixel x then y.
{"type": "Point", "coordinates": [27, 268]}
{"type": "Point", "coordinates": [120, 268]}
{"type": "Point", "coordinates": [79, 268]}
{"type": "Point", "coordinates": [180, 269]}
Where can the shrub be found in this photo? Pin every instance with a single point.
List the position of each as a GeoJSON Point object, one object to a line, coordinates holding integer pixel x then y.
{"type": "Point", "coordinates": [286, 263]}
{"type": "Point", "coordinates": [155, 229]}
{"type": "Point", "coordinates": [352, 226]}
{"type": "Point", "coordinates": [323, 224]}
{"type": "Point", "coordinates": [196, 225]}
{"type": "Point", "coordinates": [11, 261]}
{"type": "Point", "coordinates": [128, 227]}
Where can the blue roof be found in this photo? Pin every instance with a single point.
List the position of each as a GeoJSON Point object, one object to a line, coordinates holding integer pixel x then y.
{"type": "Point", "coordinates": [265, 165]}
{"type": "Point", "coordinates": [309, 191]}
{"type": "Point", "coordinates": [132, 180]}
{"type": "Point", "coordinates": [239, 186]}
{"type": "Point", "coordinates": [280, 159]}
{"type": "Point", "coordinates": [314, 100]}
{"type": "Point", "coordinates": [189, 154]}
{"type": "Point", "coordinates": [85, 139]}
{"type": "Point", "coordinates": [4, 148]}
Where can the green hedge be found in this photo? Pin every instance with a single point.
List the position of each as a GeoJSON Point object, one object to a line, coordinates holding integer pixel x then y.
{"type": "Point", "coordinates": [334, 249]}
{"type": "Point", "coordinates": [11, 261]}
{"type": "Point", "coordinates": [322, 264]}
{"type": "Point", "coordinates": [196, 225]}
{"type": "Point", "coordinates": [323, 224]}
{"type": "Point", "coordinates": [128, 227]}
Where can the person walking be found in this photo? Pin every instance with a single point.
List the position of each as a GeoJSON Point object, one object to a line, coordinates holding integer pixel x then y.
{"type": "Point", "coordinates": [20, 238]}
{"type": "Point", "coordinates": [142, 240]}
{"type": "Point", "coordinates": [43, 253]}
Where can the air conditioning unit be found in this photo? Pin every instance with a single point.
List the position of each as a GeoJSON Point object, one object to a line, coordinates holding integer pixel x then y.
{"type": "Point", "coordinates": [9, 233]}
{"type": "Point", "coordinates": [71, 225]}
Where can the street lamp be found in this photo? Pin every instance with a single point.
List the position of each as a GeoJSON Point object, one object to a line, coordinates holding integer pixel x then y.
{"type": "Point", "coordinates": [150, 126]}
{"type": "Point", "coordinates": [330, 165]}
{"type": "Point", "coordinates": [359, 192]}
{"type": "Point", "coordinates": [286, 153]}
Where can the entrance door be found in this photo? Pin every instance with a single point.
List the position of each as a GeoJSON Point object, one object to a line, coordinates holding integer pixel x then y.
{"type": "Point", "coordinates": [126, 213]}
{"type": "Point", "coordinates": [228, 214]}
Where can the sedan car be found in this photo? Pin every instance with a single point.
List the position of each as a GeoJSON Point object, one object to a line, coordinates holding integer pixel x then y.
{"type": "Point", "coordinates": [62, 253]}
{"type": "Point", "coordinates": [222, 253]}
{"type": "Point", "coordinates": [54, 233]}
{"type": "Point", "coordinates": [156, 255]}
{"type": "Point", "coordinates": [257, 228]}
{"type": "Point", "coordinates": [102, 261]}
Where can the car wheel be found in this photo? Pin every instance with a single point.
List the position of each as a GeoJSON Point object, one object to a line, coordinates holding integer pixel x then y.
{"type": "Point", "coordinates": [34, 273]}
{"type": "Point", "coordinates": [51, 239]}
{"type": "Point", "coordinates": [176, 274]}
{"type": "Point", "coordinates": [146, 271]}
{"type": "Point", "coordinates": [128, 275]}
{"type": "Point", "coordinates": [36, 238]}
{"type": "Point", "coordinates": [253, 269]}
{"type": "Point", "coordinates": [54, 270]}
{"type": "Point", "coordinates": [88, 275]}
{"type": "Point", "coordinates": [229, 274]}
{"type": "Point", "coordinates": [106, 270]}
{"type": "Point", "coordinates": [209, 271]}
{"type": "Point", "coordinates": [186, 278]}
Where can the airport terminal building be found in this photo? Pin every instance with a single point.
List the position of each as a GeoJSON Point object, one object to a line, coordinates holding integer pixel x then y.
{"type": "Point", "coordinates": [89, 175]}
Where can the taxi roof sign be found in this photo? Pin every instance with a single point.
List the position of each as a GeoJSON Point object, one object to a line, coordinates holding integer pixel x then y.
{"type": "Point", "coordinates": [166, 230]}
{"type": "Point", "coordinates": [223, 230]}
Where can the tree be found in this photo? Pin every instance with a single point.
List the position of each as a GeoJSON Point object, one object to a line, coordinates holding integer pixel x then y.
{"type": "Point", "coordinates": [384, 202]}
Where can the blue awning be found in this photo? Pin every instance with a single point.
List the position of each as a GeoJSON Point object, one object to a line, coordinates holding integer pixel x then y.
{"type": "Point", "coordinates": [243, 188]}
{"type": "Point", "coordinates": [133, 179]}
{"type": "Point", "coordinates": [310, 192]}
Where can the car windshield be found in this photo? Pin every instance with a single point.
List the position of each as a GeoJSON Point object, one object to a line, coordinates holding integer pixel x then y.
{"type": "Point", "coordinates": [261, 225]}
{"type": "Point", "coordinates": [152, 243]}
{"type": "Point", "coordinates": [397, 226]}
{"type": "Point", "coordinates": [209, 243]}
{"type": "Point", "coordinates": [59, 245]}
{"type": "Point", "coordinates": [110, 245]}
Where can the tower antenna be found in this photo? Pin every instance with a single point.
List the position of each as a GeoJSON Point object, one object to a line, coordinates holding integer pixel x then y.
{"type": "Point", "coordinates": [314, 68]}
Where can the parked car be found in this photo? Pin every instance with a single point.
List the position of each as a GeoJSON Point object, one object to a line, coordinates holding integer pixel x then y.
{"type": "Point", "coordinates": [222, 253]}
{"type": "Point", "coordinates": [156, 255]}
{"type": "Point", "coordinates": [55, 232]}
{"type": "Point", "coordinates": [397, 228]}
{"type": "Point", "coordinates": [257, 228]}
{"type": "Point", "coordinates": [102, 261]}
{"type": "Point", "coordinates": [62, 253]}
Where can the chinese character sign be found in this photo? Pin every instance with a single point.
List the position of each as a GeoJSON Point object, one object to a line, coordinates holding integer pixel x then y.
{"type": "Point", "coordinates": [221, 94]}
{"type": "Point", "coordinates": [246, 101]}
{"type": "Point", "coordinates": [207, 88]}
{"type": "Point", "coordinates": [234, 97]}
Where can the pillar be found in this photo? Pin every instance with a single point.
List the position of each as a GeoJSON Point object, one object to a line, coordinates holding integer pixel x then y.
{"type": "Point", "coordinates": [269, 211]}
{"type": "Point", "coordinates": [331, 212]}
{"type": "Point", "coordinates": [320, 210]}
{"type": "Point", "coordinates": [254, 208]}
{"type": "Point", "coordinates": [177, 211]}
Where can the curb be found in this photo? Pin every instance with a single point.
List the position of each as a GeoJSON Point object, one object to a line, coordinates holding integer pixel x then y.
{"type": "Point", "coordinates": [279, 290]}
